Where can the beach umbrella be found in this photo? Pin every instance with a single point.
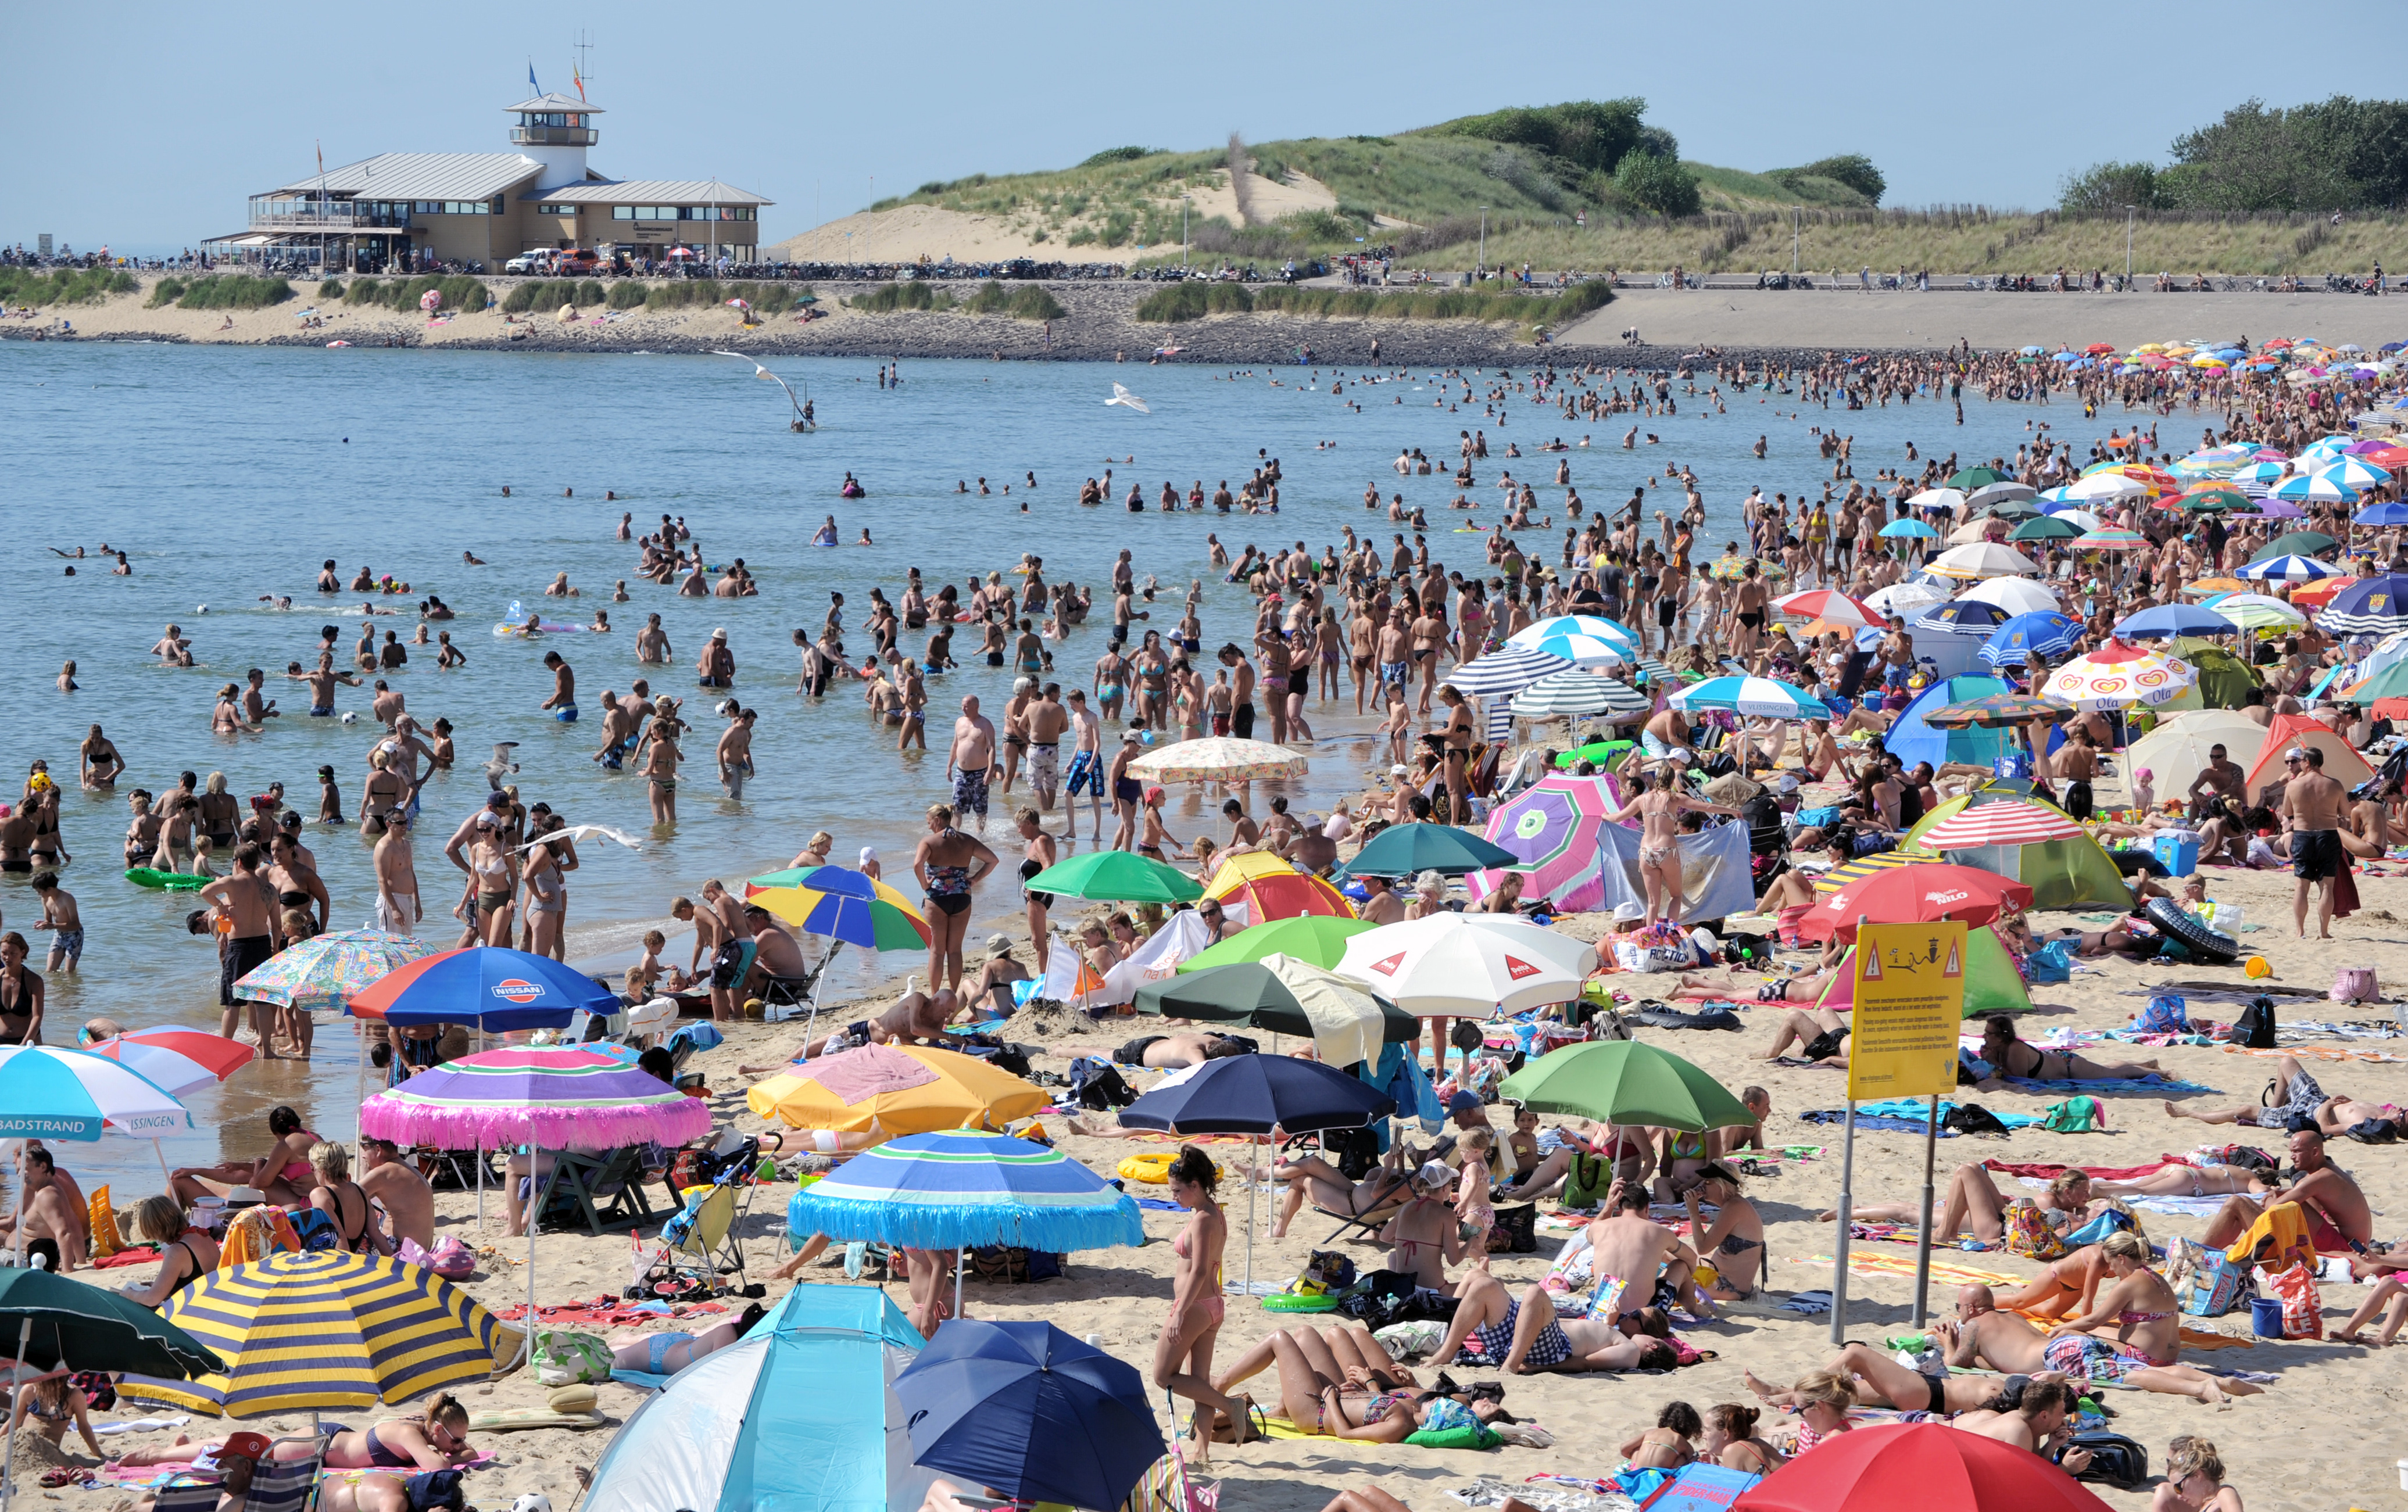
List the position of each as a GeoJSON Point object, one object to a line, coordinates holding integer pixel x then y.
{"type": "Point", "coordinates": [2306, 543]}
{"type": "Point", "coordinates": [555, 1097]}
{"type": "Point", "coordinates": [2316, 595]}
{"type": "Point", "coordinates": [2047, 632]}
{"type": "Point", "coordinates": [2045, 528]}
{"type": "Point", "coordinates": [1625, 1083]}
{"type": "Point", "coordinates": [1573, 625]}
{"type": "Point", "coordinates": [1032, 1412]}
{"type": "Point", "coordinates": [2314, 487]}
{"type": "Point", "coordinates": [327, 970]}
{"type": "Point", "coordinates": [965, 1189]}
{"type": "Point", "coordinates": [1270, 887]}
{"type": "Point", "coordinates": [1763, 696]}
{"type": "Point", "coordinates": [2370, 606]}
{"type": "Point", "coordinates": [2016, 596]}
{"type": "Point", "coordinates": [2290, 568]}
{"type": "Point", "coordinates": [2168, 620]}
{"type": "Point", "coordinates": [1990, 495]}
{"type": "Point", "coordinates": [326, 1331]}
{"type": "Point", "coordinates": [1551, 828]}
{"type": "Point", "coordinates": [1586, 650]}
{"type": "Point", "coordinates": [2081, 519]}
{"type": "Point", "coordinates": [176, 1059]}
{"type": "Point", "coordinates": [1983, 560]}
{"type": "Point", "coordinates": [1909, 530]}
{"type": "Point", "coordinates": [48, 1322]}
{"type": "Point", "coordinates": [1970, 531]}
{"type": "Point", "coordinates": [2111, 540]}
{"type": "Point", "coordinates": [1116, 877]}
{"type": "Point", "coordinates": [1903, 599]}
{"type": "Point", "coordinates": [2387, 454]}
{"type": "Point", "coordinates": [1994, 712]}
{"type": "Point", "coordinates": [1578, 693]}
{"type": "Point", "coordinates": [1318, 939]}
{"type": "Point", "coordinates": [1218, 759]}
{"type": "Point", "coordinates": [2251, 611]}
{"type": "Point", "coordinates": [800, 1412]}
{"type": "Point", "coordinates": [1999, 824]}
{"type": "Point", "coordinates": [2211, 586]}
{"type": "Point", "coordinates": [1452, 965]}
{"type": "Point", "coordinates": [1507, 669]}
{"type": "Point", "coordinates": [50, 1094]}
{"type": "Point", "coordinates": [1924, 892]}
{"type": "Point", "coordinates": [2119, 675]}
{"type": "Point", "coordinates": [1731, 568]}
{"type": "Point", "coordinates": [895, 1088]}
{"type": "Point", "coordinates": [2388, 513]}
{"type": "Point", "coordinates": [1409, 849]}
{"type": "Point", "coordinates": [493, 987]}
{"type": "Point", "coordinates": [1967, 614]}
{"type": "Point", "coordinates": [2099, 486]}
{"type": "Point", "coordinates": [2354, 472]}
{"type": "Point", "coordinates": [1942, 1469]}
{"type": "Point", "coordinates": [838, 904]}
{"type": "Point", "coordinates": [1950, 499]}
{"type": "Point", "coordinates": [1970, 478]}
{"type": "Point", "coordinates": [1345, 1020]}
{"type": "Point", "coordinates": [1846, 872]}
{"type": "Point", "coordinates": [1829, 606]}
{"type": "Point", "coordinates": [2257, 477]}
{"type": "Point", "coordinates": [1254, 1094]}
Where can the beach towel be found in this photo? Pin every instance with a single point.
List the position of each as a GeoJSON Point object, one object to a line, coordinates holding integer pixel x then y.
{"type": "Point", "coordinates": [643, 1378]}
{"type": "Point", "coordinates": [1872, 1124]}
{"type": "Point", "coordinates": [140, 1255]}
{"type": "Point", "coordinates": [256, 1233]}
{"type": "Point", "coordinates": [2097, 1173]}
{"type": "Point", "coordinates": [2279, 1237]}
{"type": "Point", "coordinates": [2108, 1084]}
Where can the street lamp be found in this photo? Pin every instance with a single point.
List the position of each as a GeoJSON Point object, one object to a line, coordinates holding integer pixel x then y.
{"type": "Point", "coordinates": [1183, 201]}
{"type": "Point", "coordinates": [1793, 237]}
{"type": "Point", "coordinates": [1481, 269]}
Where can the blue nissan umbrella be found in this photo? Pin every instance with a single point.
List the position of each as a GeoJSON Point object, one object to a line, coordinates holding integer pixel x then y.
{"type": "Point", "coordinates": [493, 987]}
{"type": "Point", "coordinates": [1030, 1411]}
{"type": "Point", "coordinates": [2167, 621]}
{"type": "Point", "coordinates": [2043, 630]}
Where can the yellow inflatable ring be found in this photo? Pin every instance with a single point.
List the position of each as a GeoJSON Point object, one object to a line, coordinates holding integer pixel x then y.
{"type": "Point", "coordinates": [1290, 1302]}
{"type": "Point", "coordinates": [1153, 1170]}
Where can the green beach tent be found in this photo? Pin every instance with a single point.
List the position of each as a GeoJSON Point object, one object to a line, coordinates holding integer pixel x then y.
{"type": "Point", "coordinates": [2071, 873]}
{"type": "Point", "coordinates": [2224, 679]}
{"type": "Point", "coordinates": [1992, 984]}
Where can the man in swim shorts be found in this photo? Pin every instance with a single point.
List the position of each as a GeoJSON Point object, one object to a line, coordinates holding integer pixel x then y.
{"type": "Point", "coordinates": [970, 758]}
{"type": "Point", "coordinates": [563, 702]}
{"type": "Point", "coordinates": [1522, 1335]}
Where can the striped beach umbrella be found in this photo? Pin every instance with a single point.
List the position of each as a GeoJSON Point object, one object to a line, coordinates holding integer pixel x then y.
{"type": "Point", "coordinates": [1983, 560]}
{"type": "Point", "coordinates": [2110, 539]}
{"type": "Point", "coordinates": [2354, 472]}
{"type": "Point", "coordinates": [1830, 607]}
{"type": "Point", "coordinates": [1576, 692]}
{"type": "Point", "coordinates": [2119, 675]}
{"type": "Point", "coordinates": [1904, 599]}
{"type": "Point", "coordinates": [2370, 606]}
{"type": "Point", "coordinates": [1584, 649]}
{"type": "Point", "coordinates": [51, 1093]}
{"type": "Point", "coordinates": [179, 1060]}
{"type": "Point", "coordinates": [838, 903]}
{"type": "Point", "coordinates": [492, 986]}
{"type": "Point", "coordinates": [2313, 488]}
{"type": "Point", "coordinates": [2250, 611]}
{"type": "Point", "coordinates": [1994, 712]}
{"type": "Point", "coordinates": [2208, 498]}
{"type": "Point", "coordinates": [326, 971]}
{"type": "Point", "coordinates": [1763, 696]}
{"type": "Point", "coordinates": [1596, 625]}
{"type": "Point", "coordinates": [1846, 872]}
{"type": "Point", "coordinates": [1509, 669]}
{"type": "Point", "coordinates": [323, 1331]}
{"type": "Point", "coordinates": [2296, 569]}
{"type": "Point", "coordinates": [1999, 824]}
{"type": "Point", "coordinates": [551, 1096]}
{"type": "Point", "coordinates": [963, 1188]}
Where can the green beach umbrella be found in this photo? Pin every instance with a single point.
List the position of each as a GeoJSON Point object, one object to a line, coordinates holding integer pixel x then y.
{"type": "Point", "coordinates": [2208, 498]}
{"type": "Point", "coordinates": [1970, 478]}
{"type": "Point", "coordinates": [1288, 996]}
{"type": "Point", "coordinates": [2304, 542]}
{"type": "Point", "coordinates": [1318, 939]}
{"type": "Point", "coordinates": [1406, 849]}
{"type": "Point", "coordinates": [1116, 877]}
{"type": "Point", "coordinates": [1622, 1082]}
{"type": "Point", "coordinates": [2045, 528]}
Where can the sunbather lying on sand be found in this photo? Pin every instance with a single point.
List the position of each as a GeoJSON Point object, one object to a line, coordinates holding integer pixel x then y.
{"type": "Point", "coordinates": [1522, 1335]}
{"type": "Point", "coordinates": [1331, 1391]}
{"type": "Point", "coordinates": [2001, 1341]}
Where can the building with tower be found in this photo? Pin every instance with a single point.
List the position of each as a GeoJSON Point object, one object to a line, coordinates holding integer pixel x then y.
{"type": "Point", "coordinates": [415, 209]}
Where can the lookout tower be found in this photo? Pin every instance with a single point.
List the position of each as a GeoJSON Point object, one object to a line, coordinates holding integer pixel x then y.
{"type": "Point", "coordinates": [554, 131]}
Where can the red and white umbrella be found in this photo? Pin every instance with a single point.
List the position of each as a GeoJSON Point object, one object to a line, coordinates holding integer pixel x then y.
{"type": "Point", "coordinates": [179, 1059]}
{"type": "Point", "coordinates": [2119, 675]}
{"type": "Point", "coordinates": [1999, 824]}
{"type": "Point", "coordinates": [1830, 607]}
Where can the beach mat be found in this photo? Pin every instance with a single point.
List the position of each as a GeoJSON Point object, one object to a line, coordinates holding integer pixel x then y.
{"type": "Point", "coordinates": [525, 1418]}
{"type": "Point", "coordinates": [643, 1378]}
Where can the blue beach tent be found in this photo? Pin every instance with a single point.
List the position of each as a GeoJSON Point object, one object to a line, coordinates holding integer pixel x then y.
{"type": "Point", "coordinates": [1912, 741]}
{"type": "Point", "coordinates": [798, 1416]}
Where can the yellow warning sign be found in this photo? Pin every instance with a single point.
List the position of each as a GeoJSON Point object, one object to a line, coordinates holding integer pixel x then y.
{"type": "Point", "coordinates": [1910, 1001]}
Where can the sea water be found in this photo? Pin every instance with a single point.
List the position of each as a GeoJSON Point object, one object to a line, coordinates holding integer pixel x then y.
{"type": "Point", "coordinates": [227, 474]}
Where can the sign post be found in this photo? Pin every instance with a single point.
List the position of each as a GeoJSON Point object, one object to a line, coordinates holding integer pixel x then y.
{"type": "Point", "coordinates": [1910, 1003]}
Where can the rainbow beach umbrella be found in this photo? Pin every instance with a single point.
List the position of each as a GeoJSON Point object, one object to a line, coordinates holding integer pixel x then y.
{"type": "Point", "coordinates": [1552, 831]}
{"type": "Point", "coordinates": [326, 971]}
{"type": "Point", "coordinates": [894, 1089]}
{"type": "Point", "coordinates": [839, 903]}
{"type": "Point", "coordinates": [321, 1331]}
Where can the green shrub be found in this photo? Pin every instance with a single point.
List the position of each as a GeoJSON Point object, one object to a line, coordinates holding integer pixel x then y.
{"type": "Point", "coordinates": [64, 286]}
{"type": "Point", "coordinates": [165, 292]}
{"type": "Point", "coordinates": [1186, 301]}
{"type": "Point", "coordinates": [330, 289]}
{"type": "Point", "coordinates": [590, 291]}
{"type": "Point", "coordinates": [1029, 302]}
{"type": "Point", "coordinates": [1855, 171]}
{"type": "Point", "coordinates": [889, 297]}
{"type": "Point", "coordinates": [549, 295]}
{"type": "Point", "coordinates": [1193, 301]}
{"type": "Point", "coordinates": [627, 295]}
{"type": "Point", "coordinates": [1660, 185]}
{"type": "Point", "coordinates": [234, 291]}
{"type": "Point", "coordinates": [1116, 154]}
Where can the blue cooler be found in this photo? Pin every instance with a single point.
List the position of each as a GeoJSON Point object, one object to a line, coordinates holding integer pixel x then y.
{"type": "Point", "coordinates": [2178, 853]}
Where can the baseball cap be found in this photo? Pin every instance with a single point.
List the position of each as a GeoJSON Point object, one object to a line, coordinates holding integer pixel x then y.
{"type": "Point", "coordinates": [1624, 912]}
{"type": "Point", "coordinates": [1462, 1103]}
{"type": "Point", "coordinates": [1434, 1174]}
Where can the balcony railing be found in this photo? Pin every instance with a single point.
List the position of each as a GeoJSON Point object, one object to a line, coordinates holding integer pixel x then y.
{"type": "Point", "coordinates": [554, 136]}
{"type": "Point", "coordinates": [332, 218]}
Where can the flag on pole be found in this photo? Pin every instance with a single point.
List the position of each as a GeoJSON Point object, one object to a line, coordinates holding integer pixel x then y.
{"type": "Point", "coordinates": [578, 78]}
{"type": "Point", "coordinates": [531, 83]}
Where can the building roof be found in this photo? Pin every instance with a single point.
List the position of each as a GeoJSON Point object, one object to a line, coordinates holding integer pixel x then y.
{"type": "Point", "coordinates": [650, 191]}
{"type": "Point", "coordinates": [422, 175]}
{"type": "Point", "coordinates": [549, 102]}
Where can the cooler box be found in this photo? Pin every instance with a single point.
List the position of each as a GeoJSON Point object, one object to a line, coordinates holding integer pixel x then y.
{"type": "Point", "coordinates": [2178, 853]}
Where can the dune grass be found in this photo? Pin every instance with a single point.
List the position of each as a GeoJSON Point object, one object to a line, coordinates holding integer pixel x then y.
{"type": "Point", "coordinates": [1028, 301]}
{"type": "Point", "coordinates": [1193, 301]}
{"type": "Point", "coordinates": [226, 291]}
{"type": "Point", "coordinates": [889, 297]}
{"type": "Point", "coordinates": [64, 286]}
{"type": "Point", "coordinates": [456, 292]}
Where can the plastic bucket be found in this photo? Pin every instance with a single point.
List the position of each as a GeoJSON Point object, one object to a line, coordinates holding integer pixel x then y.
{"type": "Point", "coordinates": [2266, 1317]}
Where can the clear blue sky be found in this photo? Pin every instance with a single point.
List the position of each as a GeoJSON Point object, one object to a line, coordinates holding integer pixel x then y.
{"type": "Point", "coordinates": [146, 125]}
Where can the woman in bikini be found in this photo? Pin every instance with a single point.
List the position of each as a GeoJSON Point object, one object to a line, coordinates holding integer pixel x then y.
{"type": "Point", "coordinates": [1182, 1356]}
{"type": "Point", "coordinates": [1341, 1351]}
{"type": "Point", "coordinates": [1974, 1205]}
{"type": "Point", "coordinates": [21, 993]}
{"type": "Point", "coordinates": [2194, 1479]}
{"type": "Point", "coordinates": [497, 881]}
{"type": "Point", "coordinates": [1327, 1386]}
{"type": "Point", "coordinates": [1311, 1176]}
{"type": "Point", "coordinates": [438, 1439]}
{"type": "Point", "coordinates": [1658, 809]}
{"type": "Point", "coordinates": [185, 1254]}
{"type": "Point", "coordinates": [2134, 1323]}
{"type": "Point", "coordinates": [1735, 1242]}
{"type": "Point", "coordinates": [1729, 1440]}
{"type": "Point", "coordinates": [1822, 1400]}
{"type": "Point", "coordinates": [337, 1196]}
{"type": "Point", "coordinates": [547, 897]}
{"type": "Point", "coordinates": [2009, 1056]}
{"type": "Point", "coordinates": [54, 1404]}
{"type": "Point", "coordinates": [2189, 1181]}
{"type": "Point", "coordinates": [946, 864]}
{"type": "Point", "coordinates": [1425, 1236]}
{"type": "Point", "coordinates": [666, 1354]}
{"type": "Point", "coordinates": [283, 1175]}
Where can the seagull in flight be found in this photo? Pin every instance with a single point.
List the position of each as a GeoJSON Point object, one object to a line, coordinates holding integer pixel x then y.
{"type": "Point", "coordinates": [501, 765]}
{"type": "Point", "coordinates": [1121, 396]}
{"type": "Point", "coordinates": [766, 377]}
{"type": "Point", "coordinates": [579, 831]}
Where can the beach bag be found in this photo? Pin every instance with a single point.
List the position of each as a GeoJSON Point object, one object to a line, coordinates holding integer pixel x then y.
{"type": "Point", "coordinates": [2028, 1233]}
{"type": "Point", "coordinates": [565, 1358]}
{"type": "Point", "coordinates": [1327, 1270]}
{"type": "Point", "coordinates": [2303, 1308]}
{"type": "Point", "coordinates": [1410, 1340]}
{"type": "Point", "coordinates": [2114, 1459]}
{"type": "Point", "coordinates": [1972, 1118]}
{"type": "Point", "coordinates": [451, 1259]}
{"type": "Point", "coordinates": [2357, 984]}
{"type": "Point", "coordinates": [1515, 1231]}
{"type": "Point", "coordinates": [2212, 1284]}
{"type": "Point", "coordinates": [2165, 1015]}
{"type": "Point", "coordinates": [315, 1228]}
{"type": "Point", "coordinates": [2255, 1028]}
{"type": "Point", "coordinates": [2075, 1115]}
{"type": "Point", "coordinates": [1097, 1085]}
{"type": "Point", "coordinates": [2109, 1220]}
{"type": "Point", "coordinates": [1585, 1180]}
{"type": "Point", "coordinates": [434, 1489]}
{"type": "Point", "coordinates": [2051, 964]}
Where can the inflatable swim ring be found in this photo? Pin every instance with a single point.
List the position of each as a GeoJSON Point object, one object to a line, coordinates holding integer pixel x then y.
{"type": "Point", "coordinates": [855, 492]}
{"type": "Point", "coordinates": [1292, 1302]}
{"type": "Point", "coordinates": [2217, 949]}
{"type": "Point", "coordinates": [171, 881]}
{"type": "Point", "coordinates": [1153, 1170]}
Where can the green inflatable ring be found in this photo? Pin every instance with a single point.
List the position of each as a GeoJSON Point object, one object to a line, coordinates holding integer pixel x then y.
{"type": "Point", "coordinates": [172, 882]}
{"type": "Point", "coordinates": [1294, 1301]}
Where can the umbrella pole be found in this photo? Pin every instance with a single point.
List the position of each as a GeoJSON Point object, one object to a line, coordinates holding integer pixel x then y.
{"type": "Point", "coordinates": [1923, 1239]}
{"type": "Point", "coordinates": [1250, 1215]}
{"type": "Point", "coordinates": [164, 1174]}
{"type": "Point", "coordinates": [480, 1182]}
{"type": "Point", "coordinates": [535, 1220]}
{"type": "Point", "coordinates": [16, 1373]}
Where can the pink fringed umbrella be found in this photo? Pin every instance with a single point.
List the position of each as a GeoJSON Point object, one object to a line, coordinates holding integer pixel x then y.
{"type": "Point", "coordinates": [550, 1097]}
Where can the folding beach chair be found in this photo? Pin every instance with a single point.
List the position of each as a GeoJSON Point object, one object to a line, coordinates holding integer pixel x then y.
{"type": "Point", "coordinates": [276, 1485]}
{"type": "Point", "coordinates": [605, 1190]}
